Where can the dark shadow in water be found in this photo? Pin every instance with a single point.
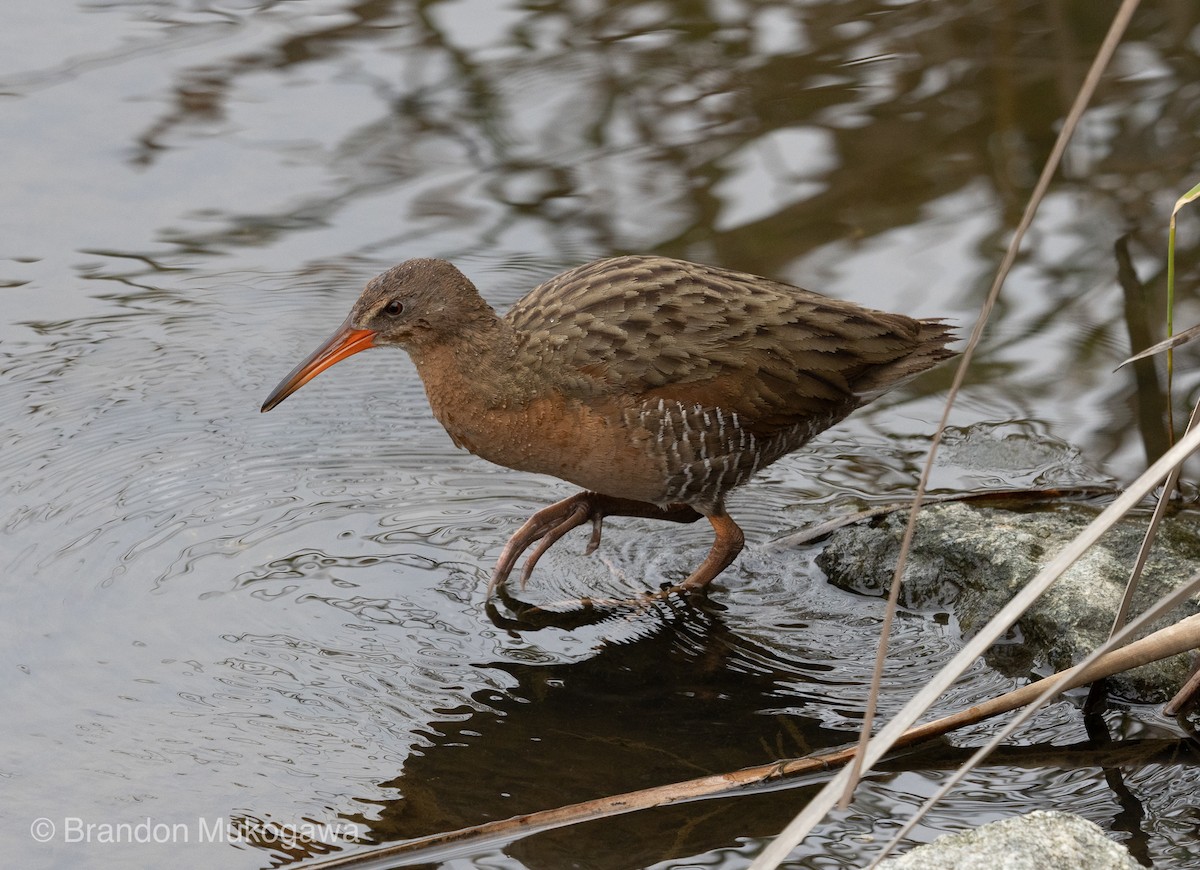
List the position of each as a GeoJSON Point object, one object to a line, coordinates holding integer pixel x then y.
{"type": "Point", "coordinates": [688, 698]}
{"type": "Point", "coordinates": [1132, 816]}
{"type": "Point", "coordinates": [567, 615]}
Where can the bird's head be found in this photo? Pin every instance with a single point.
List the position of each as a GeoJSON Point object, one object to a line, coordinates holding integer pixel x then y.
{"type": "Point", "coordinates": [413, 305]}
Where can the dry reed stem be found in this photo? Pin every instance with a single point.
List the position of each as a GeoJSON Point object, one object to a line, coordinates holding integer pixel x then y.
{"type": "Point", "coordinates": [1087, 89]}
{"type": "Point", "coordinates": [815, 811]}
{"type": "Point", "coordinates": [1169, 641]}
{"type": "Point", "coordinates": [1051, 690]}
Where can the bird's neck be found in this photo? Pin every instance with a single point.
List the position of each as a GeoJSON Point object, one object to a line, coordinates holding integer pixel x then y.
{"type": "Point", "coordinates": [473, 375]}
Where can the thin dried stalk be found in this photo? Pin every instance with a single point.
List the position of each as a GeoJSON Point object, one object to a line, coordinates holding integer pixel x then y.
{"type": "Point", "coordinates": [1164, 643]}
{"type": "Point", "coordinates": [816, 809]}
{"type": "Point", "coordinates": [1086, 90]}
{"type": "Point", "coordinates": [1052, 690]}
{"type": "Point", "coordinates": [1166, 344]}
{"type": "Point", "coordinates": [1156, 518]}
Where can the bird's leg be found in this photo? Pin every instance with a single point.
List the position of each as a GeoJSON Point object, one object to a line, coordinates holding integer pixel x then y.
{"type": "Point", "coordinates": [551, 523]}
{"type": "Point", "coordinates": [725, 549]}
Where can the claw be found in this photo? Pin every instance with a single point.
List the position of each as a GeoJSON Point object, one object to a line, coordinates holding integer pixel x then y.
{"type": "Point", "coordinates": [577, 517]}
{"type": "Point", "coordinates": [549, 524]}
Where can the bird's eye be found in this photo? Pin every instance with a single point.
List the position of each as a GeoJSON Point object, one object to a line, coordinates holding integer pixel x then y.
{"type": "Point", "coordinates": [393, 308]}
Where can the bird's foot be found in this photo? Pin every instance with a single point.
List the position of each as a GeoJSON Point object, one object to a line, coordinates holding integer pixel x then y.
{"type": "Point", "coordinates": [547, 525]}
{"type": "Point", "coordinates": [551, 523]}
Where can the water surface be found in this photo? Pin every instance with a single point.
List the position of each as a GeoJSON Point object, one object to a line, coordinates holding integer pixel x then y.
{"type": "Point", "coordinates": [221, 620]}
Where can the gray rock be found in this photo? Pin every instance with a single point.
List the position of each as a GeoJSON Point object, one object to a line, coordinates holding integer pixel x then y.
{"type": "Point", "coordinates": [970, 561]}
{"type": "Point", "coordinates": [1041, 840]}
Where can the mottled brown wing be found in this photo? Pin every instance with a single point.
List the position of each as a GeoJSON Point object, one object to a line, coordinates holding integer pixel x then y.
{"type": "Point", "coordinates": [653, 327]}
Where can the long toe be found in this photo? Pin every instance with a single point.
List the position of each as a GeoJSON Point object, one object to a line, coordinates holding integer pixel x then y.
{"type": "Point", "coordinates": [554, 521]}
{"type": "Point", "coordinates": [551, 523]}
{"type": "Point", "coordinates": [577, 517]}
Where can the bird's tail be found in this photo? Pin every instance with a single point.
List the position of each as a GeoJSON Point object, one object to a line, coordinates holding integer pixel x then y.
{"type": "Point", "coordinates": [929, 350]}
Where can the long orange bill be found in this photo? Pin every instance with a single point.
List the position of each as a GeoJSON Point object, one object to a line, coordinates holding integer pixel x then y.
{"type": "Point", "coordinates": [347, 341]}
